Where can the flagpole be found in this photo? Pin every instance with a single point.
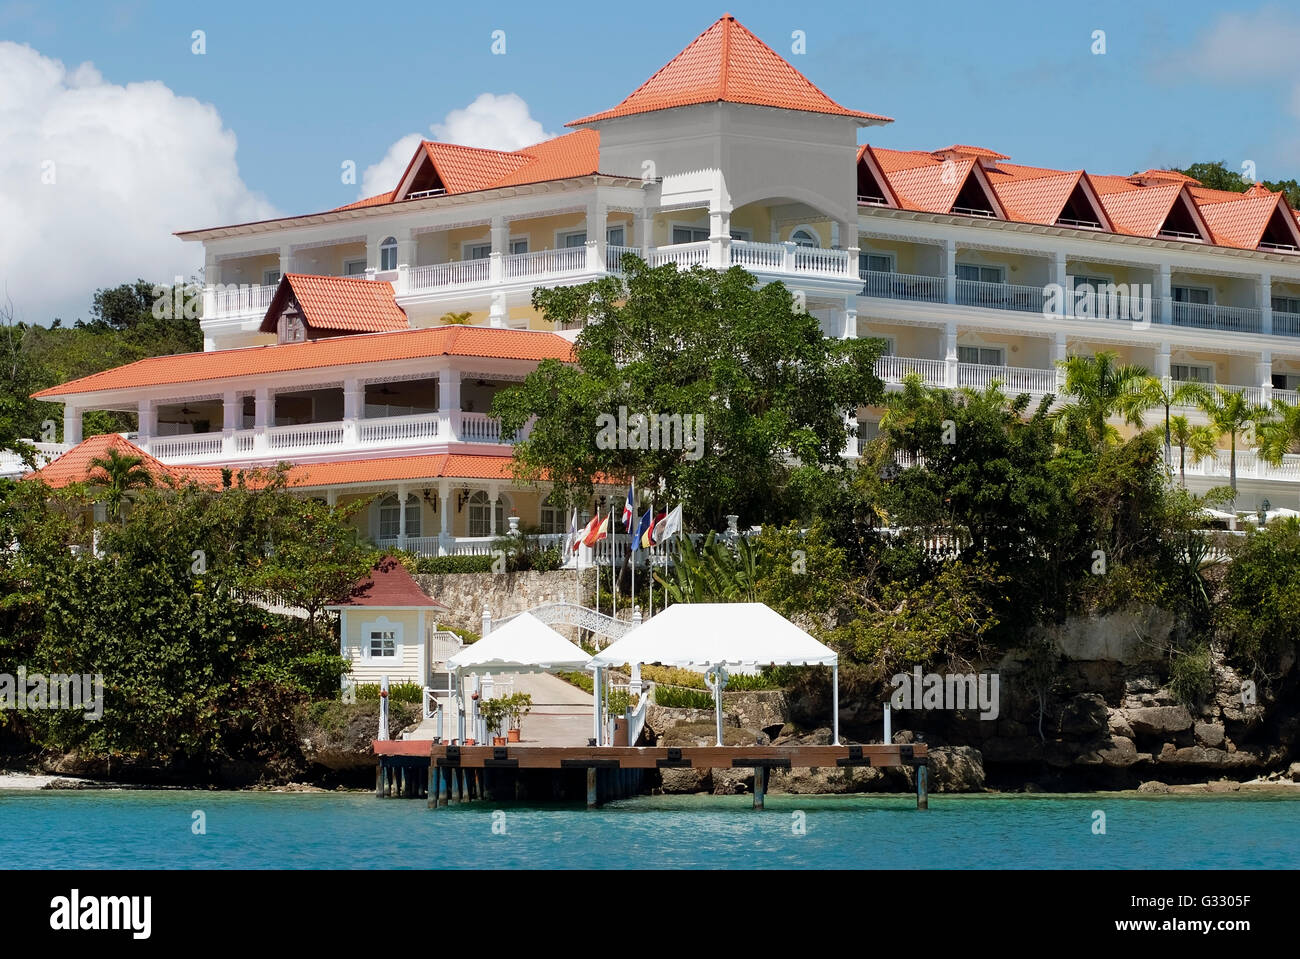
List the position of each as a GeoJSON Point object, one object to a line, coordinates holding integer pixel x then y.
{"type": "Point", "coordinates": [651, 560]}
{"type": "Point", "coordinates": [595, 559]}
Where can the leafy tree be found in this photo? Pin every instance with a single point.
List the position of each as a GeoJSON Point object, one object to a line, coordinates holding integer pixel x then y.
{"type": "Point", "coordinates": [1279, 434]}
{"type": "Point", "coordinates": [1259, 618]}
{"type": "Point", "coordinates": [1199, 440]}
{"type": "Point", "coordinates": [1216, 176]}
{"type": "Point", "coordinates": [1155, 392]}
{"type": "Point", "coordinates": [769, 392]}
{"type": "Point", "coordinates": [1100, 387]}
{"type": "Point", "coordinates": [1230, 413]}
{"type": "Point", "coordinates": [118, 473]}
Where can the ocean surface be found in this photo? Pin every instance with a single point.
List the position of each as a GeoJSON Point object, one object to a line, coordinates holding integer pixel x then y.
{"type": "Point", "coordinates": [148, 829]}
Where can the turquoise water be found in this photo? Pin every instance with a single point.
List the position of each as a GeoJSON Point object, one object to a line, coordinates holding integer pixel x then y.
{"type": "Point", "coordinates": [123, 829]}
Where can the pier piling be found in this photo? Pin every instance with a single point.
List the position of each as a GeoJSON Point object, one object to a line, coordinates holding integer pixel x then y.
{"type": "Point", "coordinates": [760, 785]}
{"type": "Point", "coordinates": [591, 787]}
{"type": "Point", "coordinates": [922, 785]}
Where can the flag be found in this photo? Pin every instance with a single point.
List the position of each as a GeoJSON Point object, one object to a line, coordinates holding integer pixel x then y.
{"type": "Point", "coordinates": [593, 531]}
{"type": "Point", "coordinates": [672, 523]}
{"type": "Point", "coordinates": [643, 529]}
{"type": "Point", "coordinates": [573, 530]}
{"type": "Point", "coordinates": [651, 536]}
{"type": "Point", "coordinates": [629, 508]}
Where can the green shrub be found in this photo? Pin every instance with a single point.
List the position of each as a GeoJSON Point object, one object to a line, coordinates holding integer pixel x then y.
{"type": "Point", "coordinates": [1191, 675]}
{"type": "Point", "coordinates": [397, 692]}
{"type": "Point", "coordinates": [580, 679]}
{"type": "Point", "coordinates": [619, 701]}
{"type": "Point", "coordinates": [681, 697]}
{"type": "Point", "coordinates": [455, 564]}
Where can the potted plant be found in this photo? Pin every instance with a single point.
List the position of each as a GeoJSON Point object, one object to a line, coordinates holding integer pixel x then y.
{"type": "Point", "coordinates": [518, 706]}
{"type": "Point", "coordinates": [494, 712]}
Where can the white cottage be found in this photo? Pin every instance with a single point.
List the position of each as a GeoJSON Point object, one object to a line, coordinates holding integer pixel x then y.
{"type": "Point", "coordinates": [387, 627]}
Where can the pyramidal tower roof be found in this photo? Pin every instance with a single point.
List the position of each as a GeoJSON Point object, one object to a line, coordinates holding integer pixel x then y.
{"type": "Point", "coordinates": [727, 63]}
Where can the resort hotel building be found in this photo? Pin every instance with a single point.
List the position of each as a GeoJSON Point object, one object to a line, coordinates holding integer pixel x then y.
{"type": "Point", "coordinates": [331, 339]}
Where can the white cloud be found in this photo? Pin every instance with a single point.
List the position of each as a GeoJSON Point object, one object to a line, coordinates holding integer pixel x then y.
{"type": "Point", "coordinates": [1246, 46]}
{"type": "Point", "coordinates": [496, 122]}
{"type": "Point", "coordinates": [128, 164]}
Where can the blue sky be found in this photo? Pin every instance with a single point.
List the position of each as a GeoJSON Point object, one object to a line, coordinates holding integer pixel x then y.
{"type": "Point", "coordinates": [304, 88]}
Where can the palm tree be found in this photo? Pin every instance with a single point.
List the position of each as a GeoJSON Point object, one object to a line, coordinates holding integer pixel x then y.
{"type": "Point", "coordinates": [118, 474]}
{"type": "Point", "coordinates": [1201, 440]}
{"type": "Point", "coordinates": [1160, 392]}
{"type": "Point", "coordinates": [1230, 413]}
{"type": "Point", "coordinates": [1280, 434]}
{"type": "Point", "coordinates": [1101, 388]}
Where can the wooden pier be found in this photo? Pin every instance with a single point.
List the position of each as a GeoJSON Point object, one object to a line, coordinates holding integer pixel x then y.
{"type": "Point", "coordinates": [447, 775]}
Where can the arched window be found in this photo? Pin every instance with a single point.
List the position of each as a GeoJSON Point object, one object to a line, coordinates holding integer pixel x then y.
{"type": "Point", "coordinates": [805, 237]}
{"type": "Point", "coordinates": [390, 517]}
{"type": "Point", "coordinates": [480, 518]}
{"type": "Point", "coordinates": [388, 254]}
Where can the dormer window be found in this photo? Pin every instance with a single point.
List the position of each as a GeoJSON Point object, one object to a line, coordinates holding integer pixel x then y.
{"type": "Point", "coordinates": [388, 254]}
{"type": "Point", "coordinates": [291, 329]}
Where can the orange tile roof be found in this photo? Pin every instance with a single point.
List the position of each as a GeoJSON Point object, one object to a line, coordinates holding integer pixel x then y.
{"type": "Point", "coordinates": [1141, 212]}
{"type": "Point", "coordinates": [468, 169]}
{"type": "Point", "coordinates": [74, 466]}
{"type": "Point", "coordinates": [338, 303]}
{"type": "Point", "coordinates": [973, 151]}
{"type": "Point", "coordinates": [1037, 199]}
{"type": "Point", "coordinates": [394, 468]}
{"type": "Point", "coordinates": [1239, 221]}
{"type": "Point", "coordinates": [333, 351]}
{"type": "Point", "coordinates": [930, 187]}
{"type": "Point", "coordinates": [1172, 175]}
{"type": "Point", "coordinates": [727, 63]}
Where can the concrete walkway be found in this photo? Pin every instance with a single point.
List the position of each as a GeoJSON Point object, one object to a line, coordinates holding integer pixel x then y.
{"type": "Point", "coordinates": [561, 713]}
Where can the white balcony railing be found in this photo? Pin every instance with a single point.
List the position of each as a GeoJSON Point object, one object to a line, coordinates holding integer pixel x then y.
{"type": "Point", "coordinates": [903, 286]}
{"type": "Point", "coordinates": [545, 263]}
{"type": "Point", "coordinates": [1286, 324]}
{"type": "Point", "coordinates": [685, 255]}
{"type": "Point", "coordinates": [190, 445]}
{"type": "Point", "coordinates": [1236, 319]}
{"type": "Point", "coordinates": [438, 275]}
{"type": "Point", "coordinates": [614, 257]}
{"type": "Point", "coordinates": [402, 429]}
{"type": "Point", "coordinates": [769, 257]}
{"type": "Point", "coordinates": [243, 299]}
{"type": "Point", "coordinates": [1001, 296]}
{"type": "Point", "coordinates": [809, 259]}
{"type": "Point", "coordinates": [304, 436]}
{"type": "Point", "coordinates": [892, 369]}
{"type": "Point", "coordinates": [1014, 379]}
{"type": "Point", "coordinates": [1253, 394]}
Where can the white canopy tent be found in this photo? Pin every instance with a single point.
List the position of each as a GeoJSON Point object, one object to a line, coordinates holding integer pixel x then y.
{"type": "Point", "coordinates": [523, 645]}
{"type": "Point", "coordinates": [717, 635]}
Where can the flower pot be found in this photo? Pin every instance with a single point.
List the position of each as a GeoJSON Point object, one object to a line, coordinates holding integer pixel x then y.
{"type": "Point", "coordinates": [469, 742]}
{"type": "Point", "coordinates": [498, 740]}
{"type": "Point", "coordinates": [512, 735]}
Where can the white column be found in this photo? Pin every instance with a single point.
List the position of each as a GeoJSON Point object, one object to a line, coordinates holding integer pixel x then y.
{"type": "Point", "coordinates": [494, 496]}
{"type": "Point", "coordinates": [230, 410]}
{"type": "Point", "coordinates": [71, 424]}
{"type": "Point", "coordinates": [948, 260]}
{"type": "Point", "coordinates": [1061, 278]}
{"type": "Point", "coordinates": [1059, 353]}
{"type": "Point", "coordinates": [1165, 292]}
{"type": "Point", "coordinates": [405, 260]}
{"type": "Point", "coordinates": [850, 328]}
{"type": "Point", "coordinates": [1265, 294]}
{"type": "Point", "coordinates": [354, 408]}
{"type": "Point", "coordinates": [401, 517]}
{"type": "Point", "coordinates": [147, 414]}
{"type": "Point", "coordinates": [1162, 360]}
{"type": "Point", "coordinates": [286, 259]}
{"type": "Point", "coordinates": [500, 234]}
{"type": "Point", "coordinates": [211, 277]}
{"type": "Point", "coordinates": [444, 527]}
{"type": "Point", "coordinates": [848, 239]}
{"type": "Point", "coordinates": [644, 233]}
{"type": "Point", "coordinates": [449, 402]}
{"type": "Point", "coordinates": [1264, 376]}
{"type": "Point", "coordinates": [597, 224]}
{"type": "Point", "coordinates": [331, 497]}
{"type": "Point", "coordinates": [719, 238]}
{"type": "Point", "coordinates": [950, 353]}
{"type": "Point", "coordinates": [263, 416]}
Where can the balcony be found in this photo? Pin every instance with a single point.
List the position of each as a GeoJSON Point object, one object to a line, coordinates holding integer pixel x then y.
{"type": "Point", "coordinates": [400, 434]}
{"type": "Point", "coordinates": [1234, 319]}
{"type": "Point", "coordinates": [903, 286]}
{"type": "Point", "coordinates": [1001, 296]}
{"type": "Point", "coordinates": [1014, 379]}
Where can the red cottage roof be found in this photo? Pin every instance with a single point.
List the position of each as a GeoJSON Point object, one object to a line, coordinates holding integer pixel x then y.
{"type": "Point", "coordinates": [338, 303]}
{"type": "Point", "coordinates": [727, 63]}
{"type": "Point", "coordinates": [390, 585]}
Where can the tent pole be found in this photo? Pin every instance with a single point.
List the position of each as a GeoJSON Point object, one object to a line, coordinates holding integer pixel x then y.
{"type": "Point", "coordinates": [595, 705]}
{"type": "Point", "coordinates": [835, 704]}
